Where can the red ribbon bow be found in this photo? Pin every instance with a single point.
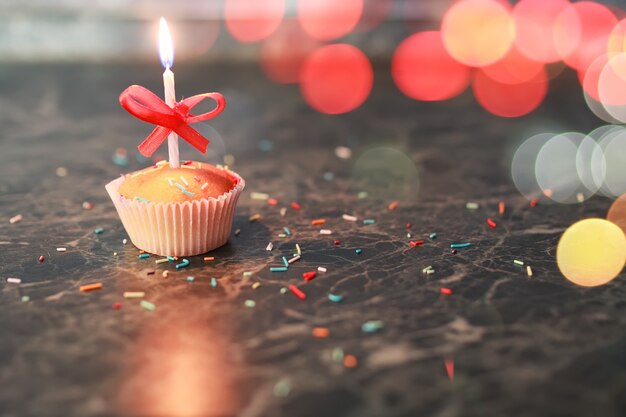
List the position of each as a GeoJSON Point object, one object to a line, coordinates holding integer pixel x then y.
{"type": "Point", "coordinates": [147, 106]}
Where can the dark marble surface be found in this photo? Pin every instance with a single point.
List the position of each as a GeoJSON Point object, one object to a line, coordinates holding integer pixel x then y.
{"type": "Point", "coordinates": [520, 346]}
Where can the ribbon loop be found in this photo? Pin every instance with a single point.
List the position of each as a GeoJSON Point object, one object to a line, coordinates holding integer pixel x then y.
{"type": "Point", "coordinates": [147, 106]}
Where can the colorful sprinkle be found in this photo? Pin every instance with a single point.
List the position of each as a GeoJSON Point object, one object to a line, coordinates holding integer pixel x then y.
{"type": "Point", "coordinates": [416, 243]}
{"type": "Point", "coordinates": [272, 201]}
{"type": "Point", "coordinates": [369, 221]}
{"type": "Point", "coordinates": [142, 200]}
{"type": "Point", "coordinates": [259, 196]}
{"type": "Point", "coordinates": [184, 180]}
{"type": "Point", "coordinates": [501, 208]}
{"type": "Point", "coordinates": [143, 256]}
{"type": "Point", "coordinates": [116, 306]}
{"type": "Point", "coordinates": [349, 218]}
{"type": "Point", "coordinates": [335, 298]}
{"type": "Point", "coordinates": [297, 292]}
{"type": "Point", "coordinates": [213, 282]}
{"type": "Point", "coordinates": [295, 205]}
{"type": "Point", "coordinates": [14, 280]}
{"type": "Point", "coordinates": [90, 287]}
{"type": "Point", "coordinates": [41, 259]}
{"type": "Point", "coordinates": [124, 241]}
{"type": "Point", "coordinates": [285, 262]}
{"type": "Point", "coordinates": [320, 332]}
{"type": "Point", "coordinates": [318, 222]}
{"type": "Point", "coordinates": [171, 258]}
{"type": "Point", "coordinates": [87, 205]}
{"type": "Point", "coordinates": [99, 231]}
{"type": "Point", "coordinates": [161, 261]}
{"type": "Point", "coordinates": [209, 258]}
{"type": "Point", "coordinates": [372, 326]}
{"type": "Point", "coordinates": [298, 250]}
{"type": "Point", "coordinates": [269, 247]}
{"type": "Point", "coordinates": [282, 388]}
{"type": "Point", "coordinates": [350, 361]}
{"type": "Point", "coordinates": [393, 205]}
{"type": "Point", "coordinates": [287, 231]}
{"type": "Point", "coordinates": [134, 294]}
{"type": "Point", "coordinates": [254, 217]}
{"type": "Point", "coordinates": [325, 231]}
{"type": "Point", "coordinates": [337, 354]}
{"type": "Point", "coordinates": [249, 303]}
{"type": "Point", "coordinates": [460, 245]}
{"type": "Point", "coordinates": [183, 264]}
{"type": "Point", "coordinates": [446, 291]}
{"type": "Point", "coordinates": [25, 298]}
{"type": "Point", "coordinates": [517, 262]}
{"type": "Point", "coordinates": [283, 211]}
{"type": "Point", "coordinates": [336, 242]}
{"type": "Point", "coordinates": [432, 236]}
{"type": "Point", "coordinates": [321, 269]}
{"type": "Point", "coordinates": [529, 271]}
{"type": "Point", "coordinates": [191, 279]}
{"type": "Point", "coordinates": [204, 186]}
{"type": "Point", "coordinates": [147, 305]}
{"type": "Point", "coordinates": [278, 269]}
{"type": "Point", "coordinates": [358, 251]}
{"type": "Point", "coordinates": [16, 219]}
{"type": "Point", "coordinates": [247, 273]}
{"type": "Point", "coordinates": [61, 249]}
{"type": "Point", "coordinates": [534, 202]}
{"type": "Point", "coordinates": [256, 285]}
{"type": "Point", "coordinates": [283, 290]}
{"type": "Point", "coordinates": [471, 206]}
{"type": "Point", "coordinates": [308, 276]}
{"type": "Point", "coordinates": [294, 259]}
{"type": "Point", "coordinates": [491, 223]}
{"type": "Point", "coordinates": [189, 193]}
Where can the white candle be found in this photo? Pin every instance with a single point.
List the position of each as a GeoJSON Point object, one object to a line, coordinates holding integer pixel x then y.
{"type": "Point", "coordinates": [166, 50]}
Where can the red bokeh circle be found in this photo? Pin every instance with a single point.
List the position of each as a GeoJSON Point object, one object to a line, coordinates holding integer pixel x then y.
{"type": "Point", "coordinates": [514, 68]}
{"type": "Point", "coordinates": [329, 19]}
{"type": "Point", "coordinates": [535, 24]}
{"type": "Point", "coordinates": [336, 78]}
{"type": "Point", "coordinates": [423, 70]}
{"type": "Point", "coordinates": [253, 20]}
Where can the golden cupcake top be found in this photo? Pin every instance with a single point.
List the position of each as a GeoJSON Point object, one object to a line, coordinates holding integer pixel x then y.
{"type": "Point", "coordinates": [191, 181]}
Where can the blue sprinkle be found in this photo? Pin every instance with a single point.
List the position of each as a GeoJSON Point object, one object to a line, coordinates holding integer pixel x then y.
{"type": "Point", "coordinates": [287, 231]}
{"type": "Point", "coordinates": [335, 298]}
{"type": "Point", "coordinates": [213, 282]}
{"type": "Point", "coordinates": [191, 279]}
{"type": "Point", "coordinates": [460, 245]}
{"type": "Point", "coordinates": [120, 159]}
{"type": "Point", "coordinates": [99, 231]}
{"type": "Point", "coordinates": [358, 251]}
{"type": "Point", "coordinates": [369, 221]}
{"type": "Point", "coordinates": [189, 193]}
{"type": "Point", "coordinates": [285, 262]}
{"type": "Point", "coordinates": [372, 326]}
{"type": "Point", "coordinates": [144, 256]}
{"type": "Point", "coordinates": [183, 264]}
{"type": "Point", "coordinates": [278, 269]}
{"type": "Point", "coordinates": [143, 200]}
{"type": "Point", "coordinates": [329, 176]}
{"type": "Point", "coordinates": [180, 186]}
{"type": "Point", "coordinates": [171, 258]}
{"type": "Point", "coordinates": [433, 236]}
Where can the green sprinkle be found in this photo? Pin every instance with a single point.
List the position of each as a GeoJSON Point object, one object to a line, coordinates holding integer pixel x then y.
{"type": "Point", "coordinates": [433, 236]}
{"type": "Point", "coordinates": [144, 256]}
{"type": "Point", "coordinates": [249, 303]}
{"type": "Point", "coordinates": [191, 279]}
{"type": "Point", "coordinates": [329, 176]}
{"type": "Point", "coordinates": [287, 231]}
{"type": "Point", "coordinates": [285, 262]}
{"type": "Point", "coordinates": [171, 259]}
{"type": "Point", "coordinates": [25, 298]}
{"type": "Point", "coordinates": [372, 326]}
{"type": "Point", "coordinates": [335, 298]}
{"type": "Point", "coordinates": [282, 388]}
{"type": "Point", "coordinates": [183, 264]}
{"type": "Point", "coordinates": [460, 245]}
{"type": "Point", "coordinates": [143, 200]}
{"type": "Point", "coordinates": [180, 186]}
{"type": "Point", "coordinates": [278, 269]}
{"type": "Point", "coordinates": [472, 206]}
{"type": "Point", "coordinates": [520, 263]}
{"type": "Point", "coordinates": [189, 193]}
{"type": "Point", "coordinates": [337, 354]}
{"type": "Point", "coordinates": [213, 282]}
{"type": "Point", "coordinates": [362, 194]}
{"type": "Point", "coordinates": [369, 221]}
{"type": "Point", "coordinates": [99, 231]}
{"type": "Point", "coordinates": [358, 251]}
{"type": "Point", "coordinates": [147, 305]}
{"type": "Point", "coordinates": [247, 274]}
{"type": "Point", "coordinates": [283, 290]}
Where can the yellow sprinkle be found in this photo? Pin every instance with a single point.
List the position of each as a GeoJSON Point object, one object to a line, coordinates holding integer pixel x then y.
{"type": "Point", "coordinates": [160, 261]}
{"type": "Point", "coordinates": [529, 271]}
{"type": "Point", "coordinates": [255, 217]}
{"type": "Point", "coordinates": [134, 294]}
{"type": "Point", "coordinates": [256, 285]}
{"type": "Point", "coordinates": [209, 258]}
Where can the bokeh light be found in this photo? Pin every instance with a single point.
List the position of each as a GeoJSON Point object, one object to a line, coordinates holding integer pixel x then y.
{"type": "Point", "coordinates": [535, 24]}
{"type": "Point", "coordinates": [329, 19]}
{"type": "Point", "coordinates": [385, 173]}
{"type": "Point", "coordinates": [509, 100]}
{"type": "Point", "coordinates": [590, 163]}
{"type": "Point", "coordinates": [581, 33]}
{"type": "Point", "coordinates": [284, 52]}
{"type": "Point", "coordinates": [617, 212]}
{"type": "Point", "coordinates": [617, 39]}
{"type": "Point", "coordinates": [253, 20]}
{"type": "Point", "coordinates": [523, 165]}
{"type": "Point", "coordinates": [422, 69]}
{"type": "Point", "coordinates": [612, 87]}
{"type": "Point", "coordinates": [613, 154]}
{"type": "Point", "coordinates": [591, 252]}
{"type": "Point", "coordinates": [514, 68]}
{"type": "Point", "coordinates": [336, 78]}
{"type": "Point", "coordinates": [478, 32]}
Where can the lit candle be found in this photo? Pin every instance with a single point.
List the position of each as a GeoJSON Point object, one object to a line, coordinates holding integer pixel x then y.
{"type": "Point", "coordinates": [166, 50]}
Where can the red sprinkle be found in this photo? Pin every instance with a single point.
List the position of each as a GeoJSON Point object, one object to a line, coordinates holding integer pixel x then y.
{"type": "Point", "coordinates": [454, 251]}
{"type": "Point", "coordinates": [117, 306]}
{"type": "Point", "coordinates": [295, 205]}
{"type": "Point", "coordinates": [41, 258]}
{"type": "Point", "coordinates": [337, 242]}
{"type": "Point", "coordinates": [187, 162]}
{"type": "Point", "coordinates": [491, 223]}
{"type": "Point", "coordinates": [533, 202]}
{"type": "Point", "coordinates": [308, 276]}
{"type": "Point", "coordinates": [297, 292]}
{"type": "Point", "coordinates": [449, 363]}
{"type": "Point", "coordinates": [416, 243]}
{"type": "Point", "coordinates": [272, 201]}
{"type": "Point", "coordinates": [446, 291]}
{"type": "Point", "coordinates": [408, 225]}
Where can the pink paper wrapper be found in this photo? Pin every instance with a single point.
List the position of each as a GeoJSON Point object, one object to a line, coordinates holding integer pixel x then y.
{"type": "Point", "coordinates": [178, 229]}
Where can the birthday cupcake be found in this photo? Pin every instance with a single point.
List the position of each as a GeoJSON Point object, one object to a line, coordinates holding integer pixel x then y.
{"type": "Point", "coordinates": [171, 209]}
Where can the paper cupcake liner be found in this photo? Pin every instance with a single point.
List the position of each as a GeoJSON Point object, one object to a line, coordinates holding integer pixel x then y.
{"type": "Point", "coordinates": [177, 229]}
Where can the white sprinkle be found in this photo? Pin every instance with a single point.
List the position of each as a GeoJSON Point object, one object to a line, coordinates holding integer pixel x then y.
{"type": "Point", "coordinates": [325, 231]}
{"type": "Point", "coordinates": [16, 219]}
{"type": "Point", "coordinates": [14, 280]}
{"type": "Point", "coordinates": [349, 218]}
{"type": "Point", "coordinates": [343, 152]}
{"type": "Point", "coordinates": [283, 211]}
{"type": "Point", "coordinates": [169, 181]}
{"type": "Point", "coordinates": [184, 180]}
{"type": "Point", "coordinates": [292, 260]}
{"type": "Point", "coordinates": [206, 184]}
{"type": "Point", "coordinates": [269, 247]}
{"type": "Point", "coordinates": [259, 196]}
{"type": "Point", "coordinates": [580, 197]}
{"type": "Point", "coordinates": [125, 241]}
{"type": "Point", "coordinates": [321, 269]}
{"type": "Point", "coordinates": [188, 166]}
{"type": "Point", "coordinates": [61, 249]}
{"type": "Point", "coordinates": [298, 249]}
{"type": "Point", "coordinates": [472, 206]}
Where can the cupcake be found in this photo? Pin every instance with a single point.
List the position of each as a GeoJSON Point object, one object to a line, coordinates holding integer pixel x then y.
{"type": "Point", "coordinates": [173, 210]}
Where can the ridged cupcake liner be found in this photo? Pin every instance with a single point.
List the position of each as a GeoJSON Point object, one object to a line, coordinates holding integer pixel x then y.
{"type": "Point", "coordinates": [178, 229]}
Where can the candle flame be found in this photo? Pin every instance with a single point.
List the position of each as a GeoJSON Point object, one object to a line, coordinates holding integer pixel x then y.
{"type": "Point", "coordinates": [166, 46]}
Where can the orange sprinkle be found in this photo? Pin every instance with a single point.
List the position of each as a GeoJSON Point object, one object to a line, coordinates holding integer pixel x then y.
{"type": "Point", "coordinates": [501, 208]}
{"type": "Point", "coordinates": [350, 361]}
{"type": "Point", "coordinates": [209, 258]}
{"type": "Point", "coordinates": [91, 287]}
{"type": "Point", "coordinates": [317, 222]}
{"type": "Point", "coordinates": [393, 205]}
{"type": "Point", "coordinates": [320, 332]}
{"type": "Point", "coordinates": [272, 201]}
